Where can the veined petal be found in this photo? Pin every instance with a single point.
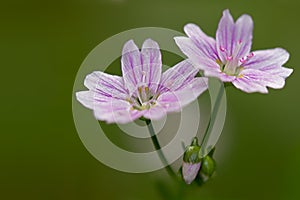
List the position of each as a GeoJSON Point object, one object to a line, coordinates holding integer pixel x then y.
{"type": "Point", "coordinates": [152, 64]}
{"type": "Point", "coordinates": [267, 58]}
{"type": "Point", "coordinates": [249, 86]}
{"type": "Point", "coordinates": [242, 35]}
{"type": "Point", "coordinates": [86, 98]}
{"type": "Point", "coordinates": [190, 171]}
{"type": "Point", "coordinates": [224, 35]}
{"type": "Point", "coordinates": [198, 58]}
{"type": "Point", "coordinates": [263, 78]}
{"type": "Point", "coordinates": [175, 100]}
{"type": "Point", "coordinates": [252, 80]}
{"type": "Point", "coordinates": [177, 77]}
{"type": "Point", "coordinates": [206, 44]}
{"type": "Point", "coordinates": [131, 62]}
{"type": "Point", "coordinates": [156, 112]}
{"type": "Point", "coordinates": [278, 70]}
{"type": "Point", "coordinates": [116, 111]}
{"type": "Point", "coordinates": [106, 85]}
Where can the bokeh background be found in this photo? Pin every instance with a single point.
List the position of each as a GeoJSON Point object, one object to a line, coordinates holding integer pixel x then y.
{"type": "Point", "coordinates": [43, 43]}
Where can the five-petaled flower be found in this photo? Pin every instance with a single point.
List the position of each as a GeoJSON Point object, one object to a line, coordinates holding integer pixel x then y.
{"type": "Point", "coordinates": [229, 58]}
{"type": "Point", "coordinates": [143, 91]}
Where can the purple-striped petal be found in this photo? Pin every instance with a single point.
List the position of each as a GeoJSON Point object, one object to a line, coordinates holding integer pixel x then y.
{"type": "Point", "coordinates": [242, 36]}
{"type": "Point", "coordinates": [131, 62]}
{"type": "Point", "coordinates": [199, 59]}
{"type": "Point", "coordinates": [267, 58]}
{"type": "Point", "coordinates": [224, 35]}
{"type": "Point", "coordinates": [252, 80]}
{"type": "Point", "coordinates": [278, 70]}
{"type": "Point", "coordinates": [177, 77]}
{"type": "Point", "coordinates": [234, 39]}
{"type": "Point", "coordinates": [205, 44]}
{"type": "Point", "coordinates": [106, 85]}
{"type": "Point", "coordinates": [175, 100]}
{"type": "Point", "coordinates": [190, 171]}
{"type": "Point", "coordinates": [116, 111]}
{"type": "Point", "coordinates": [152, 65]}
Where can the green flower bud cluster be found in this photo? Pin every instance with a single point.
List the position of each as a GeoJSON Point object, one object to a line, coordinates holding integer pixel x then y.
{"type": "Point", "coordinates": [195, 168]}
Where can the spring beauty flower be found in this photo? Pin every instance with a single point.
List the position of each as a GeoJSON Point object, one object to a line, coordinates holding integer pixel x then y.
{"type": "Point", "coordinates": [143, 91]}
{"type": "Point", "coordinates": [229, 57]}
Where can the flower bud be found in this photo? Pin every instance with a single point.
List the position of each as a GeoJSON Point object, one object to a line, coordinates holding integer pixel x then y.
{"type": "Point", "coordinates": [207, 169]}
{"type": "Point", "coordinates": [191, 162]}
{"type": "Point", "coordinates": [208, 166]}
{"type": "Point", "coordinates": [190, 171]}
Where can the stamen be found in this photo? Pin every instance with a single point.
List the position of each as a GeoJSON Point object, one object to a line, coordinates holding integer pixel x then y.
{"type": "Point", "coordinates": [250, 55]}
{"type": "Point", "coordinates": [229, 58]}
{"type": "Point", "coordinates": [239, 41]}
{"type": "Point", "coordinates": [222, 49]}
{"type": "Point", "coordinates": [144, 76]}
{"type": "Point", "coordinates": [243, 60]}
{"type": "Point", "coordinates": [143, 94]}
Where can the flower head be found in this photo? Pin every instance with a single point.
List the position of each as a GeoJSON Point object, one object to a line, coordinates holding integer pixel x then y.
{"type": "Point", "coordinates": [143, 91]}
{"type": "Point", "coordinates": [228, 57]}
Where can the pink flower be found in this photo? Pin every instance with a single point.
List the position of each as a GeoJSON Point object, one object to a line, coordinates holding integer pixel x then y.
{"type": "Point", "coordinates": [143, 91]}
{"type": "Point", "coordinates": [229, 58]}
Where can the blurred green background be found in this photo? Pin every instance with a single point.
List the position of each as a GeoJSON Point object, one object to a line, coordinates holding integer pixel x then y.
{"type": "Point", "coordinates": [42, 45]}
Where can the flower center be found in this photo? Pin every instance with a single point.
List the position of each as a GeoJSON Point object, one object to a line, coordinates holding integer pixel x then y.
{"type": "Point", "coordinates": [233, 64]}
{"type": "Point", "coordinates": [143, 99]}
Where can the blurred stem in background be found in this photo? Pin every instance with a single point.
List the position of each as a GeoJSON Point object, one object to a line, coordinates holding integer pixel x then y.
{"type": "Point", "coordinates": [213, 116]}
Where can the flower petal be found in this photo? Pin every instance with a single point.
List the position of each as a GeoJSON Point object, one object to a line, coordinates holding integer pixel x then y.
{"type": "Point", "coordinates": [206, 44]}
{"type": "Point", "coordinates": [243, 35]}
{"type": "Point", "coordinates": [131, 66]}
{"type": "Point", "coordinates": [175, 100]}
{"type": "Point", "coordinates": [224, 35]}
{"type": "Point", "coordinates": [252, 80]}
{"type": "Point", "coordinates": [177, 77]}
{"type": "Point", "coordinates": [106, 85]}
{"type": "Point", "coordinates": [278, 70]}
{"type": "Point", "coordinates": [86, 98]}
{"type": "Point", "coordinates": [156, 112]}
{"type": "Point", "coordinates": [219, 74]}
{"type": "Point", "coordinates": [190, 171]}
{"type": "Point", "coordinates": [152, 64]}
{"type": "Point", "coordinates": [199, 59]}
{"type": "Point", "coordinates": [267, 58]}
{"type": "Point", "coordinates": [116, 111]}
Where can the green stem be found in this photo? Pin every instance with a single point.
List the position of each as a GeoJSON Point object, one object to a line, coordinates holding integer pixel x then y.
{"type": "Point", "coordinates": [158, 148]}
{"type": "Point", "coordinates": [213, 115]}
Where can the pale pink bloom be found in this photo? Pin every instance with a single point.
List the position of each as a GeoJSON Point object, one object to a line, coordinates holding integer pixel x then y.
{"type": "Point", "coordinates": [143, 91]}
{"type": "Point", "coordinates": [228, 57]}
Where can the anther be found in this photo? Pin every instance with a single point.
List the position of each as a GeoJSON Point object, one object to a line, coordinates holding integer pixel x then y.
{"type": "Point", "coordinates": [250, 55]}
{"type": "Point", "coordinates": [243, 60]}
{"type": "Point", "coordinates": [228, 58]}
{"type": "Point", "coordinates": [222, 49]}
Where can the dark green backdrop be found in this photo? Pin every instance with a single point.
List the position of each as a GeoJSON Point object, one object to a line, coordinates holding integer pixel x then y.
{"type": "Point", "coordinates": [42, 44]}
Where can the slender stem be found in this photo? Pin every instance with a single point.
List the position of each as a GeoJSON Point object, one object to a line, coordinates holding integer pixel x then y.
{"type": "Point", "coordinates": [213, 115]}
{"type": "Point", "coordinates": [158, 148]}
